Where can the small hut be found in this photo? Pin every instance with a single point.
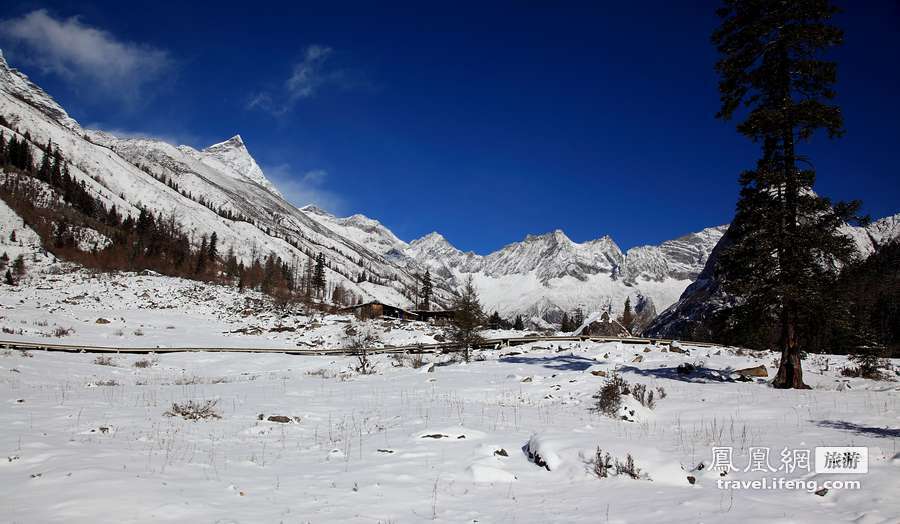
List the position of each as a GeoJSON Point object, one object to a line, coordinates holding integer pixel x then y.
{"type": "Point", "coordinates": [602, 326]}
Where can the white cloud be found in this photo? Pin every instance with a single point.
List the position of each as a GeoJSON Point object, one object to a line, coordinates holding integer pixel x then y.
{"type": "Point", "coordinates": [304, 189]}
{"type": "Point", "coordinates": [79, 52]}
{"type": "Point", "coordinates": [308, 77]}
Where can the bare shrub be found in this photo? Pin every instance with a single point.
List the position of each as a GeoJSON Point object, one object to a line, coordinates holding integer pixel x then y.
{"type": "Point", "coordinates": [138, 332]}
{"type": "Point", "coordinates": [661, 392]}
{"type": "Point", "coordinates": [119, 333]}
{"type": "Point", "coordinates": [110, 382]}
{"type": "Point", "coordinates": [104, 361]}
{"type": "Point", "coordinates": [627, 468]}
{"type": "Point", "coordinates": [187, 381]}
{"type": "Point", "coordinates": [413, 360]}
{"type": "Point", "coordinates": [360, 342]}
{"type": "Point", "coordinates": [145, 363]}
{"type": "Point", "coordinates": [639, 393]}
{"type": "Point", "coordinates": [601, 464]}
{"type": "Point", "coordinates": [60, 331]}
{"type": "Point", "coordinates": [192, 410]}
{"type": "Point", "coordinates": [609, 399]}
{"type": "Point", "coordinates": [321, 372]}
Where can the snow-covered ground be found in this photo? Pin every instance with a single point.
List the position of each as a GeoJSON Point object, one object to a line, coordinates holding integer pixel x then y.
{"type": "Point", "coordinates": [85, 442]}
{"type": "Point", "coordinates": [150, 310]}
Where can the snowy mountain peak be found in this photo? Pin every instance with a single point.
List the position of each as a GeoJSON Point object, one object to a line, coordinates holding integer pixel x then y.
{"type": "Point", "coordinates": [19, 86]}
{"type": "Point", "coordinates": [557, 236]}
{"type": "Point", "coordinates": [234, 155]}
{"type": "Point", "coordinates": [315, 210]}
{"type": "Point", "coordinates": [431, 239]}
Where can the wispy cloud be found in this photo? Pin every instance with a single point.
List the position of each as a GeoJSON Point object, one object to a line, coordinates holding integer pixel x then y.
{"type": "Point", "coordinates": [312, 74]}
{"type": "Point", "coordinates": [304, 188]}
{"type": "Point", "coordinates": [79, 52]}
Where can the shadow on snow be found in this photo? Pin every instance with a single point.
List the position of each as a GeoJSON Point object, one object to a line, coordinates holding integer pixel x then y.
{"type": "Point", "coordinates": [559, 363]}
{"type": "Point", "coordinates": [870, 431]}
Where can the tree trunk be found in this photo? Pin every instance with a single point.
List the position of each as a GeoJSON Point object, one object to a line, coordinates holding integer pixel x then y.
{"type": "Point", "coordinates": [790, 370]}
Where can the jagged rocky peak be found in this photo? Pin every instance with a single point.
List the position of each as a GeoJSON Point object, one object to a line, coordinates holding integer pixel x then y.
{"type": "Point", "coordinates": [233, 153]}
{"type": "Point", "coordinates": [556, 236]}
{"type": "Point", "coordinates": [314, 209]}
{"type": "Point", "coordinates": [20, 86]}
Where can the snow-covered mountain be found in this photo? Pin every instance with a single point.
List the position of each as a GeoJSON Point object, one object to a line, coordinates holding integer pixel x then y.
{"type": "Point", "coordinates": [688, 318]}
{"type": "Point", "coordinates": [546, 275]}
{"type": "Point", "coordinates": [198, 189]}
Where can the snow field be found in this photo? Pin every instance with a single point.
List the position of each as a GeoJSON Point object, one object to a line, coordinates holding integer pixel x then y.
{"type": "Point", "coordinates": [84, 441]}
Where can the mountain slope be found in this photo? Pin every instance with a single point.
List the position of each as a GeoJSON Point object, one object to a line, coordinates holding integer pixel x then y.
{"type": "Point", "coordinates": [689, 318]}
{"type": "Point", "coordinates": [141, 173]}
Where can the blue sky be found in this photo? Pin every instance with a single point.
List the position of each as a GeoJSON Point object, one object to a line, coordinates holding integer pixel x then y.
{"type": "Point", "coordinates": [483, 122]}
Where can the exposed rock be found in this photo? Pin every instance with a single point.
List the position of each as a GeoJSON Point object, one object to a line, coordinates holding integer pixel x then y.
{"type": "Point", "coordinates": [638, 358]}
{"type": "Point", "coordinates": [598, 373]}
{"type": "Point", "coordinates": [102, 321]}
{"type": "Point", "coordinates": [758, 371]}
{"type": "Point", "coordinates": [685, 369]}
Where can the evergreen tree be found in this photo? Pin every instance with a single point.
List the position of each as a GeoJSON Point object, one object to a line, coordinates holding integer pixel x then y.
{"type": "Point", "coordinates": [467, 318]}
{"type": "Point", "coordinates": [231, 263]}
{"type": "Point", "coordinates": [19, 266]}
{"type": "Point", "coordinates": [518, 325]}
{"type": "Point", "coordinates": [426, 291]}
{"type": "Point", "coordinates": [213, 249]}
{"type": "Point", "coordinates": [44, 170]}
{"type": "Point", "coordinates": [785, 244]}
{"type": "Point", "coordinates": [4, 260]}
{"type": "Point", "coordinates": [319, 281]}
{"type": "Point", "coordinates": [201, 257]}
{"type": "Point", "coordinates": [627, 315]}
{"type": "Point", "coordinates": [308, 279]}
{"type": "Point", "coordinates": [12, 236]}
{"type": "Point", "coordinates": [8, 279]}
{"type": "Point", "coordinates": [565, 324]}
{"type": "Point", "coordinates": [495, 321]}
{"type": "Point", "coordinates": [3, 157]}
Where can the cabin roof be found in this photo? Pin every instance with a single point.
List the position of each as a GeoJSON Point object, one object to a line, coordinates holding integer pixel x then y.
{"type": "Point", "coordinates": [377, 303]}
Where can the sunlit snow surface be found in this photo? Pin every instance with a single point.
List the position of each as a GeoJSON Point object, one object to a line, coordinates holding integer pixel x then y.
{"type": "Point", "coordinates": [361, 451]}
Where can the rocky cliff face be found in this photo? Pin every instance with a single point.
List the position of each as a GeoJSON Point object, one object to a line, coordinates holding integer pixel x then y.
{"type": "Point", "coordinates": [690, 316]}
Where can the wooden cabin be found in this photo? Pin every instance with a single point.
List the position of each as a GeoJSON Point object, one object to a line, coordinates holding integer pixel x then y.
{"type": "Point", "coordinates": [604, 326]}
{"type": "Point", "coordinates": [376, 309]}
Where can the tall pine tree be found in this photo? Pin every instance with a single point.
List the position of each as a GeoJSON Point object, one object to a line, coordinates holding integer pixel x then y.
{"type": "Point", "coordinates": [426, 291]}
{"type": "Point", "coordinates": [467, 318]}
{"type": "Point", "coordinates": [785, 240]}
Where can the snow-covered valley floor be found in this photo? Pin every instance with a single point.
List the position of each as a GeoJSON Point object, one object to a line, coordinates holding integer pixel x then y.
{"type": "Point", "coordinates": [88, 442]}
